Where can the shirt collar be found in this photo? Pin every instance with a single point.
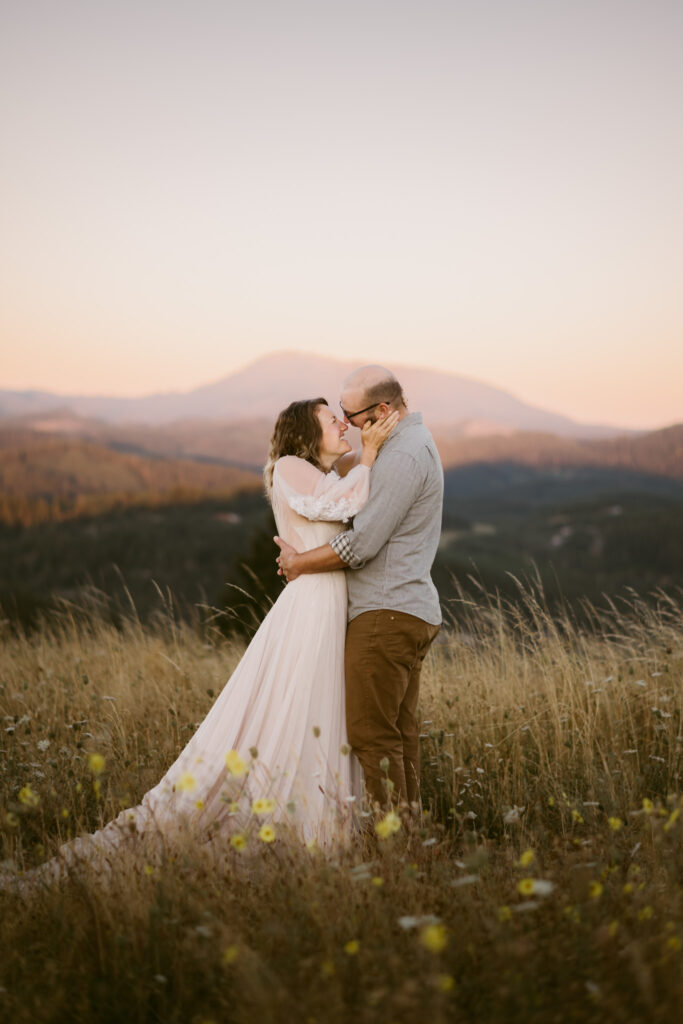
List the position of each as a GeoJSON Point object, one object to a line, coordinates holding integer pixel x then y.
{"type": "Point", "coordinates": [411, 420]}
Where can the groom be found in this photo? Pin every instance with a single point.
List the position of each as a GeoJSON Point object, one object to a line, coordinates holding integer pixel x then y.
{"type": "Point", "coordinates": [394, 609]}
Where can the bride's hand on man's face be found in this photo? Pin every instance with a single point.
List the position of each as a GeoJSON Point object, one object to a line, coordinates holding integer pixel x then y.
{"type": "Point", "coordinates": [373, 435]}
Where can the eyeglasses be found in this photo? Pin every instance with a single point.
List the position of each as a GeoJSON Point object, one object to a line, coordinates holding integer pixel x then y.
{"type": "Point", "coordinates": [350, 415]}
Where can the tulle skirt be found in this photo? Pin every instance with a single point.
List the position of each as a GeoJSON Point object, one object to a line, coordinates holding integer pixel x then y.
{"type": "Point", "coordinates": [271, 751]}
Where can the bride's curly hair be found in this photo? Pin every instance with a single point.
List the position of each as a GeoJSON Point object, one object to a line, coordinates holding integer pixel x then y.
{"type": "Point", "coordinates": [297, 432]}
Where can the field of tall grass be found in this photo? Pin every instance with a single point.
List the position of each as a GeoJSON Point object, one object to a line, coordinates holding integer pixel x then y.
{"type": "Point", "coordinates": [541, 883]}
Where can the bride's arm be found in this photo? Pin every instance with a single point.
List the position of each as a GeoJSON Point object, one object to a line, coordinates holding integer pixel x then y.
{"type": "Point", "coordinates": [321, 496]}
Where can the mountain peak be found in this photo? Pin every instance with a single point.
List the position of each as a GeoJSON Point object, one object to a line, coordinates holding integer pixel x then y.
{"type": "Point", "coordinates": [269, 383]}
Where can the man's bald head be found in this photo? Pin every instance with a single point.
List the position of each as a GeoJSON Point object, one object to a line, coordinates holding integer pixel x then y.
{"type": "Point", "coordinates": [366, 377]}
{"type": "Point", "coordinates": [371, 386]}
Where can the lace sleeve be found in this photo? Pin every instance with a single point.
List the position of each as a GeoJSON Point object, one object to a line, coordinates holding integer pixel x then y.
{"type": "Point", "coordinates": [321, 496]}
{"type": "Point", "coordinates": [339, 511]}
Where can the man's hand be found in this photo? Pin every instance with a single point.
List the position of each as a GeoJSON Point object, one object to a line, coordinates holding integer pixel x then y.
{"type": "Point", "coordinates": [293, 563]}
{"type": "Point", "coordinates": [286, 560]}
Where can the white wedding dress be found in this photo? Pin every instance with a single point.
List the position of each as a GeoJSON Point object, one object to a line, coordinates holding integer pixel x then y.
{"type": "Point", "coordinates": [285, 700]}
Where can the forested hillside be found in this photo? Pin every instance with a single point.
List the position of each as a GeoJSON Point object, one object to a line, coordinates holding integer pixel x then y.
{"type": "Point", "coordinates": [48, 478]}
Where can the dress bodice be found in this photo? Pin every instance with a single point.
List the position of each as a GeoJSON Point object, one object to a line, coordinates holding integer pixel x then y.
{"type": "Point", "coordinates": [303, 534]}
{"type": "Point", "coordinates": [310, 506]}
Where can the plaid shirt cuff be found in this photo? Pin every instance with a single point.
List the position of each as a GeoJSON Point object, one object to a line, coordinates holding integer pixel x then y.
{"type": "Point", "coordinates": [342, 546]}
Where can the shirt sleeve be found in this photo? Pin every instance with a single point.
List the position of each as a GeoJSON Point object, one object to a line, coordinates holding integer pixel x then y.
{"type": "Point", "coordinates": [321, 496]}
{"type": "Point", "coordinates": [396, 482]}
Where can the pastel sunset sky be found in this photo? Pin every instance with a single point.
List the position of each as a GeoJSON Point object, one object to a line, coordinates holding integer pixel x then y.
{"type": "Point", "coordinates": [491, 188]}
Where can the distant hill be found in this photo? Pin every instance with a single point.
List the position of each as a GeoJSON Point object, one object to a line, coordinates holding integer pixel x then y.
{"type": "Point", "coordinates": [659, 453]}
{"type": "Point", "coordinates": [266, 386]}
{"type": "Point", "coordinates": [108, 502]}
{"type": "Point", "coordinates": [46, 477]}
{"type": "Point", "coordinates": [244, 444]}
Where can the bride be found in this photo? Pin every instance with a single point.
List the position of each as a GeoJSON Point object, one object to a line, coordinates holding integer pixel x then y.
{"type": "Point", "coordinates": [273, 746]}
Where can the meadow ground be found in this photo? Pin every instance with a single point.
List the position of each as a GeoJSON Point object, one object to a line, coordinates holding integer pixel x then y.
{"type": "Point", "coordinates": [542, 883]}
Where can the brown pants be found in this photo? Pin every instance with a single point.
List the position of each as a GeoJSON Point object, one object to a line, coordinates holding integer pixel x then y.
{"type": "Point", "coordinates": [384, 654]}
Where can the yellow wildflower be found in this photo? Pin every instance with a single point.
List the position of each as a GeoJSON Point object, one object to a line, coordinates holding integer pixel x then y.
{"type": "Point", "coordinates": [504, 914]}
{"type": "Point", "coordinates": [526, 859]}
{"type": "Point", "coordinates": [645, 914]}
{"type": "Point", "coordinates": [238, 841]}
{"type": "Point", "coordinates": [64, 812]}
{"type": "Point", "coordinates": [673, 943]}
{"type": "Point", "coordinates": [673, 818]}
{"type": "Point", "coordinates": [394, 822]}
{"type": "Point", "coordinates": [445, 982]}
{"type": "Point", "coordinates": [263, 806]}
{"type": "Point", "coordinates": [577, 817]}
{"type": "Point", "coordinates": [11, 819]}
{"type": "Point", "coordinates": [96, 763]}
{"type": "Point", "coordinates": [199, 804]}
{"type": "Point", "coordinates": [551, 801]}
{"type": "Point", "coordinates": [230, 954]}
{"type": "Point", "coordinates": [186, 783]}
{"type": "Point", "coordinates": [434, 937]}
{"type": "Point", "coordinates": [235, 765]}
{"type": "Point", "coordinates": [538, 887]}
{"type": "Point", "coordinates": [628, 888]}
{"type": "Point", "coordinates": [97, 788]}
{"type": "Point", "coordinates": [526, 886]}
{"type": "Point", "coordinates": [266, 833]}
{"type": "Point", "coordinates": [615, 824]}
{"type": "Point", "coordinates": [572, 913]}
{"type": "Point", "coordinates": [389, 824]}
{"type": "Point", "coordinates": [28, 798]}
{"type": "Point", "coordinates": [352, 947]}
{"type": "Point", "coordinates": [595, 890]}
{"type": "Point", "coordinates": [148, 870]}
{"type": "Point", "coordinates": [648, 806]}
{"type": "Point", "coordinates": [378, 881]}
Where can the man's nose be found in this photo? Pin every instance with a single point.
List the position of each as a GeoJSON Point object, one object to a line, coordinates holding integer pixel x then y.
{"type": "Point", "coordinates": [343, 427]}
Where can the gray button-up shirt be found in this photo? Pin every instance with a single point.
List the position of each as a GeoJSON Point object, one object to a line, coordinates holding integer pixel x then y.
{"type": "Point", "coordinates": [394, 537]}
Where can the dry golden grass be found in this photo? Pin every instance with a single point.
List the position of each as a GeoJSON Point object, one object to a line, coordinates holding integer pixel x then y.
{"type": "Point", "coordinates": [543, 882]}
